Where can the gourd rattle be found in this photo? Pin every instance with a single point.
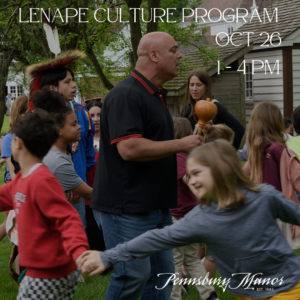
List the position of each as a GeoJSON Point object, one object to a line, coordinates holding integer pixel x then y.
{"type": "Point", "coordinates": [205, 111]}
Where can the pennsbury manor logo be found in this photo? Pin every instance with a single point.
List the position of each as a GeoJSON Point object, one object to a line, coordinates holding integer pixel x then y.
{"type": "Point", "coordinates": [20, 197]}
{"type": "Point", "coordinates": [248, 282]}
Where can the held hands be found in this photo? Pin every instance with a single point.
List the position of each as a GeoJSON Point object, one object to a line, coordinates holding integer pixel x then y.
{"type": "Point", "coordinates": [90, 262]}
{"type": "Point", "coordinates": [190, 142]}
{"type": "Point", "coordinates": [75, 199]}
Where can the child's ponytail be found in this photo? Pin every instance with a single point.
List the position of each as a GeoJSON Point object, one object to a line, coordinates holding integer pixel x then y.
{"type": "Point", "coordinates": [219, 131]}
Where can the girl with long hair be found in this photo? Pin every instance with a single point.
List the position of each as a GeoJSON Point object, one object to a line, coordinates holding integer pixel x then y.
{"type": "Point", "coordinates": [94, 107]}
{"type": "Point", "coordinates": [211, 133]}
{"type": "Point", "coordinates": [271, 162]}
{"type": "Point", "coordinates": [236, 218]}
{"type": "Point", "coordinates": [199, 87]}
{"type": "Point", "coordinates": [19, 107]}
{"type": "Point", "coordinates": [93, 226]}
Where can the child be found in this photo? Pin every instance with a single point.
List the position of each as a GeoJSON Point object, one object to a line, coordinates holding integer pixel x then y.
{"type": "Point", "coordinates": [211, 133]}
{"type": "Point", "coordinates": [58, 160]}
{"type": "Point", "coordinates": [220, 131]}
{"type": "Point", "coordinates": [236, 218]}
{"type": "Point", "coordinates": [51, 235]}
{"type": "Point", "coordinates": [186, 201]}
{"type": "Point", "coordinates": [94, 107]}
{"type": "Point", "coordinates": [19, 108]}
{"type": "Point", "coordinates": [271, 162]}
{"type": "Point", "coordinates": [288, 128]}
{"type": "Point", "coordinates": [93, 227]}
{"type": "Point", "coordinates": [56, 76]}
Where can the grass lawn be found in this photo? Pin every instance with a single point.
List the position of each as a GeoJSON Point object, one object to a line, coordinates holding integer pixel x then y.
{"type": "Point", "coordinates": [94, 288]}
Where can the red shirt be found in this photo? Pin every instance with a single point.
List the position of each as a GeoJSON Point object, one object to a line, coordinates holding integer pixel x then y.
{"type": "Point", "coordinates": [51, 235]}
{"type": "Point", "coordinates": [186, 200]}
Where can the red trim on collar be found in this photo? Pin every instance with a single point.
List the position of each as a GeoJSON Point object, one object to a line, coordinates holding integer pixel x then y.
{"type": "Point", "coordinates": [131, 136]}
{"type": "Point", "coordinates": [142, 82]}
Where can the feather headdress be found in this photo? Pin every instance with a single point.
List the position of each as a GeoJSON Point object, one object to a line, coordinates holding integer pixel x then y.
{"type": "Point", "coordinates": [51, 33]}
{"type": "Point", "coordinates": [35, 72]}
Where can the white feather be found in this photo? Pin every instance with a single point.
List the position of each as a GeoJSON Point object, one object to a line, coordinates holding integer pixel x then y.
{"type": "Point", "coordinates": [52, 39]}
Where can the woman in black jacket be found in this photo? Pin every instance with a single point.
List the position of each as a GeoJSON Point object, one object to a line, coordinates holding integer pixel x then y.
{"type": "Point", "coordinates": [199, 88]}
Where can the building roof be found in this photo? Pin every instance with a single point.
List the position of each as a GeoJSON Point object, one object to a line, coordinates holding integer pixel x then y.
{"type": "Point", "coordinates": [234, 4]}
{"type": "Point", "coordinates": [288, 22]}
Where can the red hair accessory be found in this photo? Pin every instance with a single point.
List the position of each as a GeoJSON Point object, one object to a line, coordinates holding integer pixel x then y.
{"type": "Point", "coordinates": [35, 72]}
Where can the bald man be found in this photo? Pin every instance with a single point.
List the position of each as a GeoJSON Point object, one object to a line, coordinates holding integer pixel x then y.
{"type": "Point", "coordinates": [136, 178]}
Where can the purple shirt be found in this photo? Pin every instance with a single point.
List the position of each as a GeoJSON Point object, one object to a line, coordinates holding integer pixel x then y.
{"type": "Point", "coordinates": [186, 200]}
{"type": "Point", "coordinates": [271, 164]}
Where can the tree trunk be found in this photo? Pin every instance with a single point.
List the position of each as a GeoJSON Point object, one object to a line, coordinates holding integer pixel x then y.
{"type": "Point", "coordinates": [5, 61]}
{"type": "Point", "coordinates": [131, 60]}
{"type": "Point", "coordinates": [91, 55]}
{"type": "Point", "coordinates": [152, 26]}
{"type": "Point", "coordinates": [135, 26]}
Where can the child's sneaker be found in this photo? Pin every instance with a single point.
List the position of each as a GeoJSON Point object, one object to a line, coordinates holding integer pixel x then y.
{"type": "Point", "coordinates": [184, 287]}
{"type": "Point", "coordinates": [213, 296]}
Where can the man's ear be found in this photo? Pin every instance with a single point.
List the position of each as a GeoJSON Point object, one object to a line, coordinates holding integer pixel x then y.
{"type": "Point", "coordinates": [53, 88]}
{"type": "Point", "coordinates": [153, 55]}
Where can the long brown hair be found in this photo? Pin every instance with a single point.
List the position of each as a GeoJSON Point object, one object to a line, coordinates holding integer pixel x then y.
{"type": "Point", "coordinates": [182, 127]}
{"type": "Point", "coordinates": [204, 77]}
{"type": "Point", "coordinates": [265, 125]}
{"type": "Point", "coordinates": [228, 176]}
{"type": "Point", "coordinates": [220, 131]}
{"type": "Point", "coordinates": [19, 108]}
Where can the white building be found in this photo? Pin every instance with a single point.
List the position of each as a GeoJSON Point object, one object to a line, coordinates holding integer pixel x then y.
{"type": "Point", "coordinates": [272, 71]}
{"type": "Point", "coordinates": [15, 85]}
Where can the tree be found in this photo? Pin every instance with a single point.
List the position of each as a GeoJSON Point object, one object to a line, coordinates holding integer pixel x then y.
{"type": "Point", "coordinates": [23, 43]}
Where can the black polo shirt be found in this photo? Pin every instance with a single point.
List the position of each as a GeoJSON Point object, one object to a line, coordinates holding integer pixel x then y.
{"type": "Point", "coordinates": [134, 108]}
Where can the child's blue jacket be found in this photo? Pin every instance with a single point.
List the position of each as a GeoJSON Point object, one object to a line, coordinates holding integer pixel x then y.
{"type": "Point", "coordinates": [84, 157]}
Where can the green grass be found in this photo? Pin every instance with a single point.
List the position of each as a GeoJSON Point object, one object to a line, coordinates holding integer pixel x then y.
{"type": "Point", "coordinates": [4, 128]}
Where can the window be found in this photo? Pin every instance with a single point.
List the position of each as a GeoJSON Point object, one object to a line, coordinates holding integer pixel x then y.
{"type": "Point", "coordinates": [13, 92]}
{"type": "Point", "coordinates": [230, 30]}
{"type": "Point", "coordinates": [20, 89]}
{"type": "Point", "coordinates": [13, 89]}
{"type": "Point", "coordinates": [249, 82]}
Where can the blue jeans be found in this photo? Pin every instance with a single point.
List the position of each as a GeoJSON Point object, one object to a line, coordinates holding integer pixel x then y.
{"type": "Point", "coordinates": [138, 277]}
{"type": "Point", "coordinates": [80, 207]}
